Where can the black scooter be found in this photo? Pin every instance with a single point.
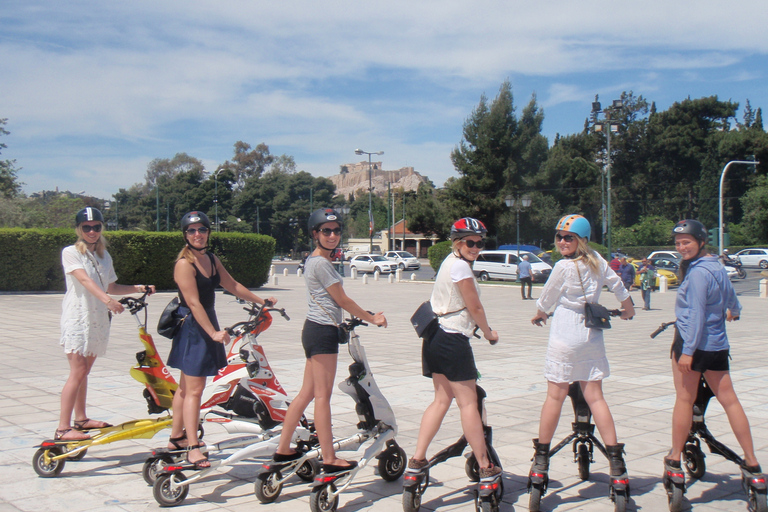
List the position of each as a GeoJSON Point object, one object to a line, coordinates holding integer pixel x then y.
{"type": "Point", "coordinates": [754, 485]}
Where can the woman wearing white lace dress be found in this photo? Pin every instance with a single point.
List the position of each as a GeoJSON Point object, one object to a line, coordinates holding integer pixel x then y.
{"type": "Point", "coordinates": [576, 352]}
{"type": "Point", "coordinates": [85, 317]}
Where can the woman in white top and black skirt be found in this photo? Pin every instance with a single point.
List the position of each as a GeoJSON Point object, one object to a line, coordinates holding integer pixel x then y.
{"type": "Point", "coordinates": [576, 352]}
{"type": "Point", "coordinates": [447, 357]}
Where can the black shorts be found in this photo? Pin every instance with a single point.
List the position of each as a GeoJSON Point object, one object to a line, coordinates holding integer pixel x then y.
{"type": "Point", "coordinates": [319, 339]}
{"type": "Point", "coordinates": [449, 354]}
{"type": "Point", "coordinates": [703, 360]}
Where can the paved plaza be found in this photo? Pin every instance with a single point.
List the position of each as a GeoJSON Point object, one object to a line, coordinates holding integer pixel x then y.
{"type": "Point", "coordinates": [639, 391]}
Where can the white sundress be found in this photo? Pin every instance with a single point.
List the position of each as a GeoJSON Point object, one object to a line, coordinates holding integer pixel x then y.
{"type": "Point", "coordinates": [84, 318]}
{"type": "Point", "coordinates": [575, 352]}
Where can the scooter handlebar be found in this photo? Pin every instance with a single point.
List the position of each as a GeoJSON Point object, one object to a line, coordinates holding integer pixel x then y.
{"type": "Point", "coordinates": [662, 328]}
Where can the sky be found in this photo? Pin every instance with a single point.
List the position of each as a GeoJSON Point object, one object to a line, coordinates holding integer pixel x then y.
{"type": "Point", "coordinates": [95, 90]}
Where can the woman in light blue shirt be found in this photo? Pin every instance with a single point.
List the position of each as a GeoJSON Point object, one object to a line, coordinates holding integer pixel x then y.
{"type": "Point", "coordinates": [705, 301]}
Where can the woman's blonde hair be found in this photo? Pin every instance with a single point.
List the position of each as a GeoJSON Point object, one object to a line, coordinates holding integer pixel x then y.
{"type": "Point", "coordinates": [81, 245]}
{"type": "Point", "coordinates": [186, 254]}
{"type": "Point", "coordinates": [586, 254]}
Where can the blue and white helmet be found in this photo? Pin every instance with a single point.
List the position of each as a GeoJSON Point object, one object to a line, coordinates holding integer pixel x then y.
{"type": "Point", "coordinates": [576, 224]}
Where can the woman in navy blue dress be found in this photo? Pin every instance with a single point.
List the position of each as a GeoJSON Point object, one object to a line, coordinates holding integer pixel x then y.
{"type": "Point", "coordinates": [198, 347]}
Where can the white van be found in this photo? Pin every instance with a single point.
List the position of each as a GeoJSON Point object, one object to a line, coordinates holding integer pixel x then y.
{"type": "Point", "coordinates": [503, 265]}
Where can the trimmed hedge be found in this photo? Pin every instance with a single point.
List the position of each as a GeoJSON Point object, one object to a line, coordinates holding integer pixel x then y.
{"type": "Point", "coordinates": [437, 253]}
{"type": "Point", "coordinates": [30, 259]}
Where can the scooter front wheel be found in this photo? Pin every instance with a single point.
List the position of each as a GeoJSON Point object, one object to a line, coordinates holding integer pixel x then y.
{"type": "Point", "coordinates": [583, 459]}
{"type": "Point", "coordinates": [78, 456]}
{"type": "Point", "coordinates": [152, 467]}
{"type": "Point", "coordinates": [44, 465]}
{"type": "Point", "coordinates": [694, 461]}
{"type": "Point", "coordinates": [757, 501]}
{"type": "Point", "coordinates": [321, 501]}
{"type": "Point", "coordinates": [675, 497]}
{"type": "Point", "coordinates": [619, 502]}
{"type": "Point", "coordinates": [392, 464]}
{"type": "Point", "coordinates": [268, 486]}
{"type": "Point", "coordinates": [166, 493]}
{"type": "Point", "coordinates": [488, 506]}
{"type": "Point", "coordinates": [472, 469]}
{"type": "Point", "coordinates": [412, 499]}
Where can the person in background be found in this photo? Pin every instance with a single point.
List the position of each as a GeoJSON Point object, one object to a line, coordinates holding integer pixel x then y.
{"type": "Point", "coordinates": [198, 346]}
{"type": "Point", "coordinates": [627, 273]}
{"type": "Point", "coordinates": [524, 272]}
{"type": "Point", "coordinates": [447, 357]}
{"type": "Point", "coordinates": [86, 315]}
{"type": "Point", "coordinates": [647, 281]}
{"type": "Point", "coordinates": [326, 301]}
{"type": "Point", "coordinates": [576, 353]}
{"type": "Point", "coordinates": [705, 301]}
{"type": "Point", "coordinates": [615, 264]}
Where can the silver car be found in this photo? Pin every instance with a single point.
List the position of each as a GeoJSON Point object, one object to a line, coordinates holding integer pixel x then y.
{"type": "Point", "coordinates": [403, 260]}
{"type": "Point", "coordinates": [372, 263]}
{"type": "Point", "coordinates": [753, 257]}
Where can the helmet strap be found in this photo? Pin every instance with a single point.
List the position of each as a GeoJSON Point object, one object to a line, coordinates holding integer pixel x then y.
{"type": "Point", "coordinates": [203, 250]}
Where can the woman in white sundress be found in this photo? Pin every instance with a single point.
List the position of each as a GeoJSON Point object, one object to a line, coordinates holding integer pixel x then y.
{"type": "Point", "coordinates": [576, 352]}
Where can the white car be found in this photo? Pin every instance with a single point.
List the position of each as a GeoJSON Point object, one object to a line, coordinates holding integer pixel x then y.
{"type": "Point", "coordinates": [670, 255]}
{"type": "Point", "coordinates": [502, 264]}
{"type": "Point", "coordinates": [404, 260]}
{"type": "Point", "coordinates": [372, 263]}
{"type": "Point", "coordinates": [753, 257]}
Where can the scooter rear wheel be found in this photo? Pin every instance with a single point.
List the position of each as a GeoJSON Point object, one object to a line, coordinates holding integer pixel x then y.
{"type": "Point", "coordinates": [152, 466]}
{"type": "Point", "coordinates": [675, 497]}
{"type": "Point", "coordinates": [320, 500]}
{"type": "Point", "coordinates": [166, 494]}
{"type": "Point", "coordinates": [472, 469]}
{"type": "Point", "coordinates": [534, 501]}
{"type": "Point", "coordinates": [694, 461]}
{"type": "Point", "coordinates": [392, 464]}
{"type": "Point", "coordinates": [268, 486]}
{"type": "Point", "coordinates": [49, 469]}
{"type": "Point", "coordinates": [757, 501]}
{"type": "Point", "coordinates": [78, 456]}
{"type": "Point", "coordinates": [619, 502]}
{"type": "Point", "coordinates": [488, 506]}
{"type": "Point", "coordinates": [583, 459]}
{"type": "Point", "coordinates": [412, 499]}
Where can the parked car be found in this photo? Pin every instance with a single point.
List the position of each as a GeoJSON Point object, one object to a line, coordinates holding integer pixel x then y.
{"type": "Point", "coordinates": [503, 265]}
{"type": "Point", "coordinates": [404, 260]}
{"type": "Point", "coordinates": [666, 267]}
{"type": "Point", "coordinates": [672, 255]}
{"type": "Point", "coordinates": [371, 263]}
{"type": "Point", "coordinates": [753, 257]}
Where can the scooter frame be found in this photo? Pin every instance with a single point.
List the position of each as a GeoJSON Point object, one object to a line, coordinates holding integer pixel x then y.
{"type": "Point", "coordinates": [693, 456]}
{"type": "Point", "coordinates": [48, 461]}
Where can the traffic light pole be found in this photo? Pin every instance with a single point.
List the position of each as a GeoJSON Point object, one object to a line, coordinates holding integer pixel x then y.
{"type": "Point", "coordinates": [720, 215]}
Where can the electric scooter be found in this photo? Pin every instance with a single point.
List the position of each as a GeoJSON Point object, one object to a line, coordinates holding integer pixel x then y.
{"type": "Point", "coordinates": [160, 385]}
{"type": "Point", "coordinates": [488, 495]}
{"type": "Point", "coordinates": [674, 482]}
{"type": "Point", "coordinates": [249, 389]}
{"type": "Point", "coordinates": [377, 425]}
{"type": "Point", "coordinates": [584, 442]}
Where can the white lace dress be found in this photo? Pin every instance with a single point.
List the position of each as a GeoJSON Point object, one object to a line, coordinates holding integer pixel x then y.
{"type": "Point", "coordinates": [84, 318]}
{"type": "Point", "coordinates": [576, 353]}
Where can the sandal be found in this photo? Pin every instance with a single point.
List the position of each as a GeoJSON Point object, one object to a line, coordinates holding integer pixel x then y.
{"type": "Point", "coordinates": [290, 457]}
{"type": "Point", "coordinates": [176, 442]}
{"type": "Point", "coordinates": [69, 434]}
{"type": "Point", "coordinates": [336, 468]}
{"type": "Point", "coordinates": [203, 463]}
{"type": "Point", "coordinates": [89, 424]}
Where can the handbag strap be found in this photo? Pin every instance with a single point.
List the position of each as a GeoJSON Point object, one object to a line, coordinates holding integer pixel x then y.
{"type": "Point", "coordinates": [96, 266]}
{"type": "Point", "coordinates": [324, 310]}
{"type": "Point", "coordinates": [580, 281]}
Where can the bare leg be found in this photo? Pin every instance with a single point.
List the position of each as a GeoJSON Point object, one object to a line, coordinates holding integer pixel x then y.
{"type": "Point", "coordinates": [593, 394]}
{"type": "Point", "coordinates": [193, 391]}
{"type": "Point", "coordinates": [471, 422]}
{"type": "Point", "coordinates": [296, 409]}
{"type": "Point", "coordinates": [177, 426]}
{"type": "Point", "coordinates": [73, 394]}
{"type": "Point", "coordinates": [686, 387]}
{"type": "Point", "coordinates": [433, 415]}
{"type": "Point", "coordinates": [550, 411]}
{"type": "Point", "coordinates": [722, 386]}
{"type": "Point", "coordinates": [324, 373]}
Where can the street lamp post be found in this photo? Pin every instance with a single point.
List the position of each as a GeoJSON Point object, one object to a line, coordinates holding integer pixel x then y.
{"type": "Point", "coordinates": [611, 126]}
{"type": "Point", "coordinates": [216, 196]}
{"type": "Point", "coordinates": [517, 202]}
{"type": "Point", "coordinates": [370, 194]}
{"type": "Point", "coordinates": [720, 211]}
{"type": "Point", "coordinates": [343, 210]}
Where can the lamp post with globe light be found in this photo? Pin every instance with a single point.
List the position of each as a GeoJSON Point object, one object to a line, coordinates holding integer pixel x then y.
{"type": "Point", "coordinates": [370, 194]}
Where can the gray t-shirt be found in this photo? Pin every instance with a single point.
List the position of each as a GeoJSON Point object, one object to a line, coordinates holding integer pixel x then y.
{"type": "Point", "coordinates": [319, 275]}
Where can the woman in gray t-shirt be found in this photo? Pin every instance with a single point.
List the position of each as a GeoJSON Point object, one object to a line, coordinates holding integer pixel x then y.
{"type": "Point", "coordinates": [320, 337]}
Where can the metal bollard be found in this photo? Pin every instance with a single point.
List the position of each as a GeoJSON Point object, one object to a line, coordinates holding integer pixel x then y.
{"type": "Point", "coordinates": [365, 278]}
{"type": "Point", "coordinates": [271, 270]}
{"type": "Point", "coordinates": [274, 280]}
{"type": "Point", "coordinates": [663, 287]}
{"type": "Point", "coordinates": [285, 272]}
{"type": "Point", "coordinates": [391, 278]}
{"type": "Point", "coordinates": [763, 287]}
{"type": "Point", "coordinates": [299, 272]}
{"type": "Point", "coordinates": [376, 276]}
{"type": "Point", "coordinates": [353, 273]}
{"type": "Point", "coordinates": [413, 276]}
{"type": "Point", "coordinates": [399, 273]}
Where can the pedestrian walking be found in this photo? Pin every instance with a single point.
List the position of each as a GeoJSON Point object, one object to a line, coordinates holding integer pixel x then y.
{"type": "Point", "coordinates": [524, 272]}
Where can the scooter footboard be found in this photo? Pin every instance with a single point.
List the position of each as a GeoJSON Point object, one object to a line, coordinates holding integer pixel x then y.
{"type": "Point", "coordinates": [374, 449]}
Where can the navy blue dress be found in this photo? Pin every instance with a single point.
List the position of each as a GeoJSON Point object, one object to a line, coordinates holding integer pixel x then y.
{"type": "Point", "coordinates": [193, 351]}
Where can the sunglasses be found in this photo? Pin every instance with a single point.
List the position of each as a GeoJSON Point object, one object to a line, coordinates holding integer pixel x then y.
{"type": "Point", "coordinates": [471, 243]}
{"type": "Point", "coordinates": [87, 229]}
{"type": "Point", "coordinates": [567, 238]}
{"type": "Point", "coordinates": [192, 231]}
{"type": "Point", "coordinates": [329, 231]}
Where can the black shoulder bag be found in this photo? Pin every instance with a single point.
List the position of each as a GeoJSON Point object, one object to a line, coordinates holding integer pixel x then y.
{"type": "Point", "coordinates": [596, 316]}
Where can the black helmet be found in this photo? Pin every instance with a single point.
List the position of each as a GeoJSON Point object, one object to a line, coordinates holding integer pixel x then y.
{"type": "Point", "coordinates": [87, 215]}
{"type": "Point", "coordinates": [691, 227]}
{"type": "Point", "coordinates": [321, 216]}
{"type": "Point", "coordinates": [467, 226]}
{"type": "Point", "coordinates": [194, 217]}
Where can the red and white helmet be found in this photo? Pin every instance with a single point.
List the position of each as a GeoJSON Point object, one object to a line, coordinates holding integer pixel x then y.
{"type": "Point", "coordinates": [467, 226]}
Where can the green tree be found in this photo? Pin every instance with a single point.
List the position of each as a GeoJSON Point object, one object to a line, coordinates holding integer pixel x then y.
{"type": "Point", "coordinates": [754, 226]}
{"type": "Point", "coordinates": [10, 186]}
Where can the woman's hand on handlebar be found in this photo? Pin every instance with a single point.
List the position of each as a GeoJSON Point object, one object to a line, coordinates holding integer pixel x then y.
{"type": "Point", "coordinates": [379, 319]}
{"type": "Point", "coordinates": [628, 309]}
{"type": "Point", "coordinates": [221, 337]}
{"type": "Point", "coordinates": [540, 318]}
{"type": "Point", "coordinates": [114, 306]}
{"type": "Point", "coordinates": [270, 301]}
{"type": "Point", "coordinates": [492, 336]}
